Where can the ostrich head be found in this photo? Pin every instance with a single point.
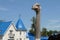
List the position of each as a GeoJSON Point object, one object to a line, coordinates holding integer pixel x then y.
{"type": "Point", "coordinates": [36, 7]}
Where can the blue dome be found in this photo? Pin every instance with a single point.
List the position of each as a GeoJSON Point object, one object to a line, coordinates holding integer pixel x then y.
{"type": "Point", "coordinates": [20, 25]}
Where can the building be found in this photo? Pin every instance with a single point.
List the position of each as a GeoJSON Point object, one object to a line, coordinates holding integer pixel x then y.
{"type": "Point", "coordinates": [9, 31]}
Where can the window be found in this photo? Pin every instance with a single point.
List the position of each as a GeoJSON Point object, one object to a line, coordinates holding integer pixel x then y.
{"type": "Point", "coordinates": [11, 30]}
{"type": "Point", "coordinates": [11, 35]}
{"type": "Point", "coordinates": [20, 38]}
{"type": "Point", "coordinates": [10, 39]}
{"type": "Point", "coordinates": [20, 32]}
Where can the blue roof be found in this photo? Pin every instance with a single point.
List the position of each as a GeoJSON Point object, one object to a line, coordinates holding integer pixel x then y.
{"type": "Point", "coordinates": [4, 26]}
{"type": "Point", "coordinates": [20, 25]}
{"type": "Point", "coordinates": [32, 37]}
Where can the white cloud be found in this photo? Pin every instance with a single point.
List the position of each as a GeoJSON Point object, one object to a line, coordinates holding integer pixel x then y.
{"type": "Point", "coordinates": [58, 26]}
{"type": "Point", "coordinates": [3, 9]}
{"type": "Point", "coordinates": [53, 25]}
{"type": "Point", "coordinates": [54, 21]}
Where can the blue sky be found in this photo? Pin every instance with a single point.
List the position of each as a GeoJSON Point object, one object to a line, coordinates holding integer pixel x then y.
{"type": "Point", "coordinates": [50, 12]}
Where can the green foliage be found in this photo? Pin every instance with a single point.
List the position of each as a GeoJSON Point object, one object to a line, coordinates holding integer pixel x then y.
{"type": "Point", "coordinates": [32, 30]}
{"type": "Point", "coordinates": [47, 33]}
{"type": "Point", "coordinates": [50, 32]}
{"type": "Point", "coordinates": [44, 32]}
{"type": "Point", "coordinates": [55, 31]}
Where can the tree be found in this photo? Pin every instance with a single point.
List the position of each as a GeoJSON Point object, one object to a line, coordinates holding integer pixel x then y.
{"type": "Point", "coordinates": [32, 30]}
{"type": "Point", "coordinates": [55, 31]}
{"type": "Point", "coordinates": [50, 32]}
{"type": "Point", "coordinates": [44, 32]}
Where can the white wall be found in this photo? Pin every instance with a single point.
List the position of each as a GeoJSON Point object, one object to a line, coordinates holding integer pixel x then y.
{"type": "Point", "coordinates": [17, 34]}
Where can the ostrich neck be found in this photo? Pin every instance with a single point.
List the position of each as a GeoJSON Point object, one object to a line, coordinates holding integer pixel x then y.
{"type": "Point", "coordinates": [38, 24]}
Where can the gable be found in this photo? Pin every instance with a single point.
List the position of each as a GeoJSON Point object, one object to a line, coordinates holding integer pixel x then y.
{"type": "Point", "coordinates": [10, 29]}
{"type": "Point", "coordinates": [20, 25]}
